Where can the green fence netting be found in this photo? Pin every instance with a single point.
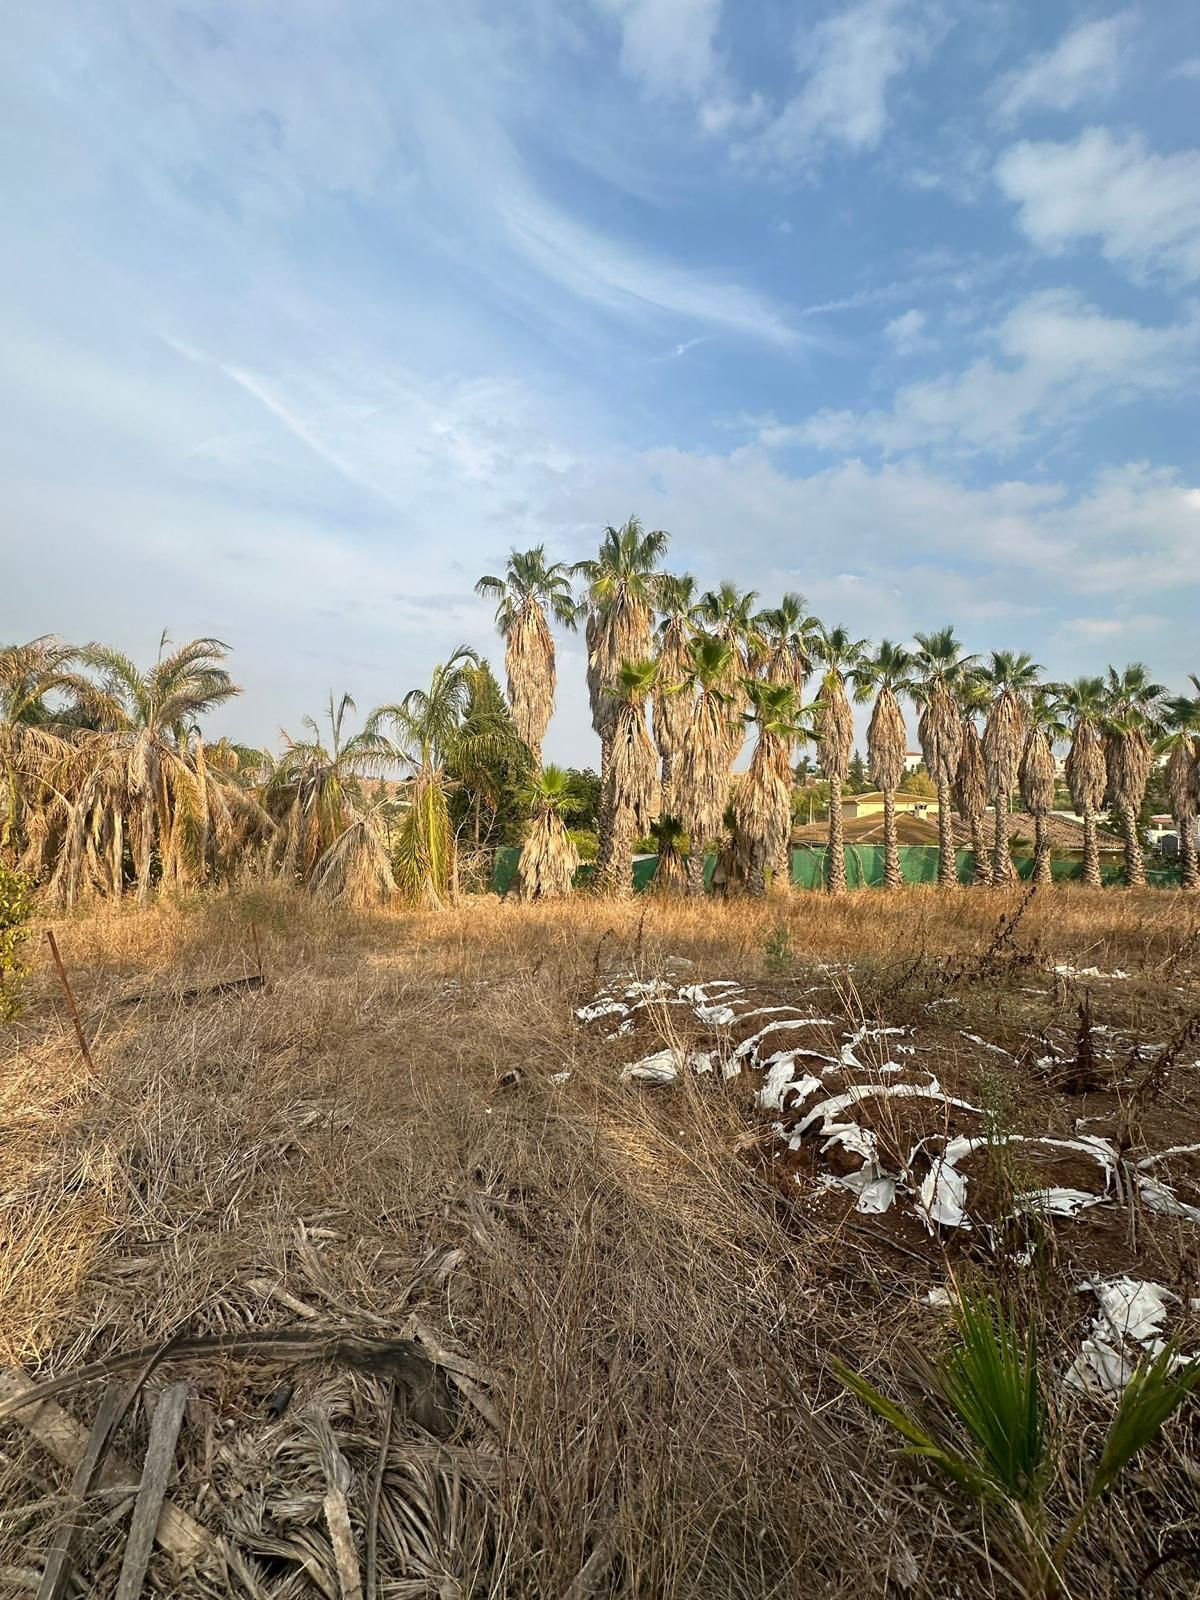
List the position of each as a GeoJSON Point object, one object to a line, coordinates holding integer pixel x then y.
{"type": "Point", "coordinates": [864, 868]}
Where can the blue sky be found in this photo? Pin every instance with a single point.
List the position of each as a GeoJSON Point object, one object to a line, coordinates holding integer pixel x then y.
{"type": "Point", "coordinates": [310, 309]}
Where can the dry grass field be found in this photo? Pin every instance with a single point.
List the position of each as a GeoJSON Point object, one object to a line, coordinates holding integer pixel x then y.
{"type": "Point", "coordinates": [625, 1295]}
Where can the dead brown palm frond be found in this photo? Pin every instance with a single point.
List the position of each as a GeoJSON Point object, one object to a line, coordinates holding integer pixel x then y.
{"type": "Point", "coordinates": [702, 781]}
{"type": "Point", "coordinates": [670, 838]}
{"type": "Point", "coordinates": [1036, 778]}
{"type": "Point", "coordinates": [355, 870]}
{"type": "Point", "coordinates": [530, 584]}
{"type": "Point", "coordinates": [549, 856]}
{"type": "Point", "coordinates": [532, 677]}
{"type": "Point", "coordinates": [971, 795]}
{"type": "Point", "coordinates": [673, 694]}
{"type": "Point", "coordinates": [632, 777]}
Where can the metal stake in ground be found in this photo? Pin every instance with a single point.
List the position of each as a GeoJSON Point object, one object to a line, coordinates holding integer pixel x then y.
{"type": "Point", "coordinates": [70, 999]}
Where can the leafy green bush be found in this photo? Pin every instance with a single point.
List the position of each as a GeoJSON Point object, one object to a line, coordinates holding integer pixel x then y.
{"type": "Point", "coordinates": [15, 912]}
{"type": "Point", "coordinates": [586, 842]}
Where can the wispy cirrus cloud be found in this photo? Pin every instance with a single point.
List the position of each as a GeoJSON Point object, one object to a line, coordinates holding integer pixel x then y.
{"type": "Point", "coordinates": [1084, 65]}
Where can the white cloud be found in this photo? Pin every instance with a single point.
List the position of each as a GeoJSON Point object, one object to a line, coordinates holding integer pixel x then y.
{"type": "Point", "coordinates": [1084, 64]}
{"type": "Point", "coordinates": [906, 333]}
{"type": "Point", "coordinates": [667, 45]}
{"type": "Point", "coordinates": [1144, 208]}
{"type": "Point", "coordinates": [1055, 359]}
{"type": "Point", "coordinates": [849, 62]}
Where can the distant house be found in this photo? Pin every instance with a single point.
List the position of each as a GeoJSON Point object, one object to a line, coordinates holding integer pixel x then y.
{"type": "Point", "coordinates": [913, 760]}
{"type": "Point", "coordinates": [871, 805]}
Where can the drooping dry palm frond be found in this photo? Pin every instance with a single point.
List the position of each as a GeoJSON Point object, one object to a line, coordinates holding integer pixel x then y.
{"type": "Point", "coordinates": [1181, 745]}
{"type": "Point", "coordinates": [673, 693]}
{"type": "Point", "coordinates": [622, 581]}
{"type": "Point", "coordinates": [670, 838]}
{"type": "Point", "coordinates": [355, 871]}
{"type": "Point", "coordinates": [529, 585]}
{"type": "Point", "coordinates": [843, 657]}
{"type": "Point", "coordinates": [1083, 703]}
{"type": "Point", "coordinates": [632, 776]}
{"type": "Point", "coordinates": [971, 794]}
{"type": "Point", "coordinates": [549, 857]}
{"type": "Point", "coordinates": [1128, 757]}
{"type": "Point", "coordinates": [1036, 778]}
{"type": "Point", "coordinates": [702, 781]}
{"type": "Point", "coordinates": [532, 676]}
{"type": "Point", "coordinates": [939, 669]}
{"type": "Point", "coordinates": [1131, 719]}
{"type": "Point", "coordinates": [760, 815]}
{"type": "Point", "coordinates": [1010, 679]}
{"type": "Point", "coordinates": [887, 741]}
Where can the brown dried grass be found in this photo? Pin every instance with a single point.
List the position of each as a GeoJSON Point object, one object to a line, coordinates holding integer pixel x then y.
{"type": "Point", "coordinates": [652, 1313]}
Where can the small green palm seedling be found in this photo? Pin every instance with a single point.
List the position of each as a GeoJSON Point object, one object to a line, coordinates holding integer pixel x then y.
{"type": "Point", "coordinates": [779, 951]}
{"type": "Point", "coordinates": [1004, 1449]}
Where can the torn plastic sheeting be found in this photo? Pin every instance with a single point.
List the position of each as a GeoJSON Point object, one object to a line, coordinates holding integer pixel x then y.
{"type": "Point", "coordinates": [664, 1066]}
{"type": "Point", "coordinates": [1159, 1197]}
{"type": "Point", "coordinates": [1132, 1312]}
{"type": "Point", "coordinates": [747, 1046]}
{"type": "Point", "coordinates": [779, 1080]}
{"type": "Point", "coordinates": [889, 1091]}
{"type": "Point", "coordinates": [698, 992]}
{"type": "Point", "coordinates": [1066, 971]}
{"type": "Point", "coordinates": [717, 1016]}
{"type": "Point", "coordinates": [943, 1192]}
{"type": "Point", "coordinates": [876, 1190]}
{"type": "Point", "coordinates": [601, 1008]}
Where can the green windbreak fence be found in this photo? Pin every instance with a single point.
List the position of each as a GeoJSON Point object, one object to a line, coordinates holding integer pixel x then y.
{"type": "Point", "coordinates": [864, 868]}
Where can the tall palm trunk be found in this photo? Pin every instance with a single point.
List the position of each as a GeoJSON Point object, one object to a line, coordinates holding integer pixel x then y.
{"type": "Point", "coordinates": [780, 864]}
{"type": "Point", "coordinates": [947, 864]}
{"type": "Point", "coordinates": [617, 877]}
{"type": "Point", "coordinates": [756, 869]}
{"type": "Point", "coordinates": [1041, 849]}
{"type": "Point", "coordinates": [1135, 861]}
{"type": "Point", "coordinates": [837, 848]}
{"type": "Point", "coordinates": [666, 788]}
{"type": "Point", "coordinates": [1002, 868]}
{"type": "Point", "coordinates": [604, 819]}
{"type": "Point", "coordinates": [982, 873]}
{"type": "Point", "coordinates": [891, 850]}
{"type": "Point", "coordinates": [1091, 850]}
{"type": "Point", "coordinates": [694, 869]}
{"type": "Point", "coordinates": [1189, 868]}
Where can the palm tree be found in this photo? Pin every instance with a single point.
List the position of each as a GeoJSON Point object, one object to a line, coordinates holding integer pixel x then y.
{"type": "Point", "coordinates": [889, 673]}
{"type": "Point", "coordinates": [549, 856]}
{"type": "Point", "coordinates": [786, 638]}
{"type": "Point", "coordinates": [1130, 723]}
{"type": "Point", "coordinates": [140, 776]}
{"type": "Point", "coordinates": [35, 745]}
{"type": "Point", "coordinates": [762, 804]}
{"type": "Point", "coordinates": [427, 733]}
{"type": "Point", "coordinates": [670, 876]}
{"type": "Point", "coordinates": [970, 778]}
{"type": "Point", "coordinates": [1010, 677]}
{"type": "Point", "coordinates": [314, 789]}
{"type": "Point", "coordinates": [530, 586]}
{"type": "Point", "coordinates": [940, 667]}
{"type": "Point", "coordinates": [1181, 745]}
{"type": "Point", "coordinates": [1035, 774]}
{"type": "Point", "coordinates": [702, 784]}
{"type": "Point", "coordinates": [842, 659]}
{"type": "Point", "coordinates": [672, 707]}
{"type": "Point", "coordinates": [727, 613]}
{"type": "Point", "coordinates": [631, 776]}
{"type": "Point", "coordinates": [1083, 704]}
{"type": "Point", "coordinates": [622, 589]}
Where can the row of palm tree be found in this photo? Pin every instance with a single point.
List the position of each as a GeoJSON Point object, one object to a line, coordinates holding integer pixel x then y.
{"type": "Point", "coordinates": [676, 677]}
{"type": "Point", "coordinates": [108, 783]}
